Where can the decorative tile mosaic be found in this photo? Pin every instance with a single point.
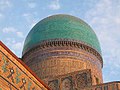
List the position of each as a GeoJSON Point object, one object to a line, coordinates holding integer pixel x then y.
{"type": "Point", "coordinates": [14, 76]}
{"type": "Point", "coordinates": [63, 27]}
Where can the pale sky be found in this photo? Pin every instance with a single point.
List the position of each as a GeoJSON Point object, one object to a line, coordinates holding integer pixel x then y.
{"type": "Point", "coordinates": [17, 17]}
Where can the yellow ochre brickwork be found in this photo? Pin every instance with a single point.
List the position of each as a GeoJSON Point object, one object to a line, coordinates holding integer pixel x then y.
{"type": "Point", "coordinates": [14, 75]}
{"type": "Point", "coordinates": [54, 61]}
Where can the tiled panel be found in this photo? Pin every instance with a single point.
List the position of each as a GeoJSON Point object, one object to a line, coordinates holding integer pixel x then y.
{"type": "Point", "coordinates": [14, 76]}
{"type": "Point", "coordinates": [71, 81]}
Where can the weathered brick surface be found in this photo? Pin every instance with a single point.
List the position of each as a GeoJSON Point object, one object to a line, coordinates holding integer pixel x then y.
{"type": "Point", "coordinates": [60, 60]}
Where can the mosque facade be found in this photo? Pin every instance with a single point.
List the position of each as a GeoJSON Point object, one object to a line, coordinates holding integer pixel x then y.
{"type": "Point", "coordinates": [61, 52]}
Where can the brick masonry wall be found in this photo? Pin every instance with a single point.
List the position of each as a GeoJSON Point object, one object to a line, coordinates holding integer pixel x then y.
{"type": "Point", "coordinates": [105, 86]}
{"type": "Point", "coordinates": [60, 60]}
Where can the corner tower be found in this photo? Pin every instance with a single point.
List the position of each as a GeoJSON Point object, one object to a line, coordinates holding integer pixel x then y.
{"type": "Point", "coordinates": [62, 44]}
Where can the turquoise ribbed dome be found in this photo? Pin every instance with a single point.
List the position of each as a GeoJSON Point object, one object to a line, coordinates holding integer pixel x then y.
{"type": "Point", "coordinates": [61, 27]}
